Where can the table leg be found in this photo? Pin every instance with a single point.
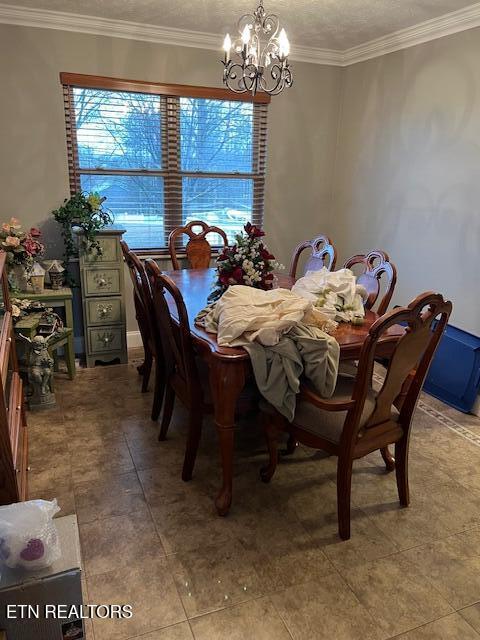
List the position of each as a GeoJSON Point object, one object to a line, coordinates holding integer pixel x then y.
{"type": "Point", "coordinates": [227, 381]}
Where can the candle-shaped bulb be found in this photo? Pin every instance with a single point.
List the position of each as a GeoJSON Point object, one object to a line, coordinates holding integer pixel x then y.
{"type": "Point", "coordinates": [246, 34]}
{"type": "Point", "coordinates": [227, 43]}
{"type": "Point", "coordinates": [283, 44]}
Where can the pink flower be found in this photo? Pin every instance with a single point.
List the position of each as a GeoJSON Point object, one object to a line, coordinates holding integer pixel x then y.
{"type": "Point", "coordinates": [14, 223]}
{"type": "Point", "coordinates": [31, 246]}
{"type": "Point", "coordinates": [35, 233]}
{"type": "Point", "coordinates": [12, 241]}
{"type": "Point", "coordinates": [6, 227]}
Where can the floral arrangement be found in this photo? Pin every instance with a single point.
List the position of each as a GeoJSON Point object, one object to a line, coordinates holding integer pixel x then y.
{"type": "Point", "coordinates": [22, 307]}
{"type": "Point", "coordinates": [247, 262]}
{"type": "Point", "coordinates": [21, 247]}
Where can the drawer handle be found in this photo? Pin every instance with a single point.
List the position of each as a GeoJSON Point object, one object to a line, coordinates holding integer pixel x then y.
{"type": "Point", "coordinates": [102, 281]}
{"type": "Point", "coordinates": [106, 338]}
{"type": "Point", "coordinates": [104, 310]}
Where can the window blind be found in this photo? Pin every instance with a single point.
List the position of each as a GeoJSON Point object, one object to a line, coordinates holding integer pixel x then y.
{"type": "Point", "coordinates": [164, 155]}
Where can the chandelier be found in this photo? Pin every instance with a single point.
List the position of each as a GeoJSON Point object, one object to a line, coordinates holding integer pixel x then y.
{"type": "Point", "coordinates": [256, 66]}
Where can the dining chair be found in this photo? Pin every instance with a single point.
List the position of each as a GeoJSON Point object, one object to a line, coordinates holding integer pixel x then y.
{"type": "Point", "coordinates": [375, 264]}
{"type": "Point", "coordinates": [183, 379]}
{"type": "Point", "coordinates": [198, 250]}
{"type": "Point", "coordinates": [358, 419]}
{"type": "Point", "coordinates": [323, 254]}
{"type": "Point", "coordinates": [142, 298]}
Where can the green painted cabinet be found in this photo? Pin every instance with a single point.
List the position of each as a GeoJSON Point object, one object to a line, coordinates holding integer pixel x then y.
{"type": "Point", "coordinates": [103, 296]}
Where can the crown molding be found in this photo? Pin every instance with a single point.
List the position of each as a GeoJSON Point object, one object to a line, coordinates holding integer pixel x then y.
{"type": "Point", "coordinates": [74, 22]}
{"type": "Point", "coordinates": [445, 25]}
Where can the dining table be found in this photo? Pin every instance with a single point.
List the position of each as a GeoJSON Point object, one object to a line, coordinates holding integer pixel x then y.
{"type": "Point", "coordinates": [229, 367]}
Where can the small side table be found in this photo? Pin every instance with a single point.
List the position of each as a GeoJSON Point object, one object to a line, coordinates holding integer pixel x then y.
{"type": "Point", "coordinates": [56, 298]}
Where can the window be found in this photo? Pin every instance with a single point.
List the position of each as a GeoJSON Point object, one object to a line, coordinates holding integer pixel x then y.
{"type": "Point", "coordinates": [165, 155]}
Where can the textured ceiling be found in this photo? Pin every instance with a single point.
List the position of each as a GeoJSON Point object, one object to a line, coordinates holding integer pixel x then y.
{"type": "Point", "coordinates": [331, 24]}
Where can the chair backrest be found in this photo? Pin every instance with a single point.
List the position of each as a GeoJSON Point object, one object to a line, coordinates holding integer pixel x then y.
{"type": "Point", "coordinates": [425, 320]}
{"type": "Point", "coordinates": [197, 249]}
{"type": "Point", "coordinates": [375, 264]}
{"type": "Point", "coordinates": [323, 254]}
{"type": "Point", "coordinates": [175, 339]}
{"type": "Point", "coordinates": [141, 293]}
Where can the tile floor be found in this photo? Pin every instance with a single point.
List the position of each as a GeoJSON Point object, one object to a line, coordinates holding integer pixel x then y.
{"type": "Point", "coordinates": [275, 568]}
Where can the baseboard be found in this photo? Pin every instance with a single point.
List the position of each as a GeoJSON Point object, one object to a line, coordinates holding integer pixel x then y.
{"type": "Point", "coordinates": [476, 407]}
{"type": "Point", "coordinates": [134, 340]}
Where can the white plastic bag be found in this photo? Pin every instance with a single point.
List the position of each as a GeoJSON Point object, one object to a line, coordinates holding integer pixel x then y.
{"type": "Point", "coordinates": [28, 535]}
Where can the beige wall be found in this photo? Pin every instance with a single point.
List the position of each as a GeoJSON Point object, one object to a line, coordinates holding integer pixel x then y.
{"type": "Point", "coordinates": [33, 169]}
{"type": "Point", "coordinates": [408, 168]}
{"type": "Point", "coordinates": [406, 163]}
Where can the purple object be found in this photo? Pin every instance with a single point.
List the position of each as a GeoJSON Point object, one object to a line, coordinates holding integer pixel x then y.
{"type": "Point", "coordinates": [33, 551]}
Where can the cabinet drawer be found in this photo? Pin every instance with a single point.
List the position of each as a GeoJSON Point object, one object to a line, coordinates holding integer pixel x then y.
{"type": "Point", "coordinates": [105, 339]}
{"type": "Point", "coordinates": [100, 282]}
{"type": "Point", "coordinates": [104, 311]}
{"type": "Point", "coordinates": [110, 252]}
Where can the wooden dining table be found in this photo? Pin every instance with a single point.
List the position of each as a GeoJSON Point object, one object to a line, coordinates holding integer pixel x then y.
{"type": "Point", "coordinates": [230, 367]}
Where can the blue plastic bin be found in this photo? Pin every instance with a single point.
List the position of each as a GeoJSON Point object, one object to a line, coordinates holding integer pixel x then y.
{"type": "Point", "coordinates": [454, 376]}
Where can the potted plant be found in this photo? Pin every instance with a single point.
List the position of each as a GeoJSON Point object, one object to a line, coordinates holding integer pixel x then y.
{"type": "Point", "coordinates": [82, 211]}
{"type": "Point", "coordinates": [22, 248]}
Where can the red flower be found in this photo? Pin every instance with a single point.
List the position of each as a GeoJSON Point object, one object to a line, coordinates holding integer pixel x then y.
{"type": "Point", "coordinates": [237, 275]}
{"type": "Point", "coordinates": [266, 255]}
{"type": "Point", "coordinates": [252, 231]}
{"type": "Point", "coordinates": [35, 233]}
{"type": "Point", "coordinates": [224, 278]}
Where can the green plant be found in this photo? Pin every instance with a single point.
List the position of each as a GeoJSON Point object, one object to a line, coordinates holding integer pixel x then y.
{"type": "Point", "coordinates": [82, 211]}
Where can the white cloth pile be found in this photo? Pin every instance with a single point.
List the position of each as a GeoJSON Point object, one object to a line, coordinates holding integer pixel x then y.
{"type": "Point", "coordinates": [336, 293]}
{"type": "Point", "coordinates": [244, 314]}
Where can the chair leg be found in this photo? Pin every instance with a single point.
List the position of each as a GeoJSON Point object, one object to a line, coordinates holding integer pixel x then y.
{"type": "Point", "coordinates": [193, 440]}
{"type": "Point", "coordinates": [344, 487]}
{"type": "Point", "coordinates": [167, 412]}
{"type": "Point", "coordinates": [401, 457]}
{"type": "Point", "coordinates": [291, 446]}
{"type": "Point", "coordinates": [147, 368]}
{"type": "Point", "coordinates": [159, 389]}
{"type": "Point", "coordinates": [270, 427]}
{"type": "Point", "coordinates": [388, 458]}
